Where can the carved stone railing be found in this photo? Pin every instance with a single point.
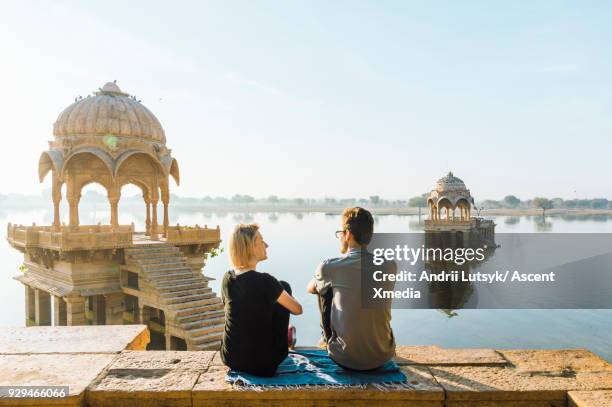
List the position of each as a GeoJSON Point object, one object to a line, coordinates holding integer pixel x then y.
{"type": "Point", "coordinates": [64, 238]}
{"type": "Point", "coordinates": [192, 234]}
{"type": "Point", "coordinates": [429, 222]}
{"type": "Point", "coordinates": [475, 222]}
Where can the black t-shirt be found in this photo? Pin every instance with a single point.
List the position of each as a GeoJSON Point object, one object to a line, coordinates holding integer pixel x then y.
{"type": "Point", "coordinates": [249, 342]}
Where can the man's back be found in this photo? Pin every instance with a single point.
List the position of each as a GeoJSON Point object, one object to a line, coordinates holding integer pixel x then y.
{"type": "Point", "coordinates": [362, 338]}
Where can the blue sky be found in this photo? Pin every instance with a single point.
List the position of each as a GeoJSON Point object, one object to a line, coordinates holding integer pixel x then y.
{"type": "Point", "coordinates": [340, 98]}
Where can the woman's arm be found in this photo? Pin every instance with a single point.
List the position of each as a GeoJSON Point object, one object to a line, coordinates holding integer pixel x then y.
{"type": "Point", "coordinates": [287, 301]}
{"type": "Point", "coordinates": [312, 286]}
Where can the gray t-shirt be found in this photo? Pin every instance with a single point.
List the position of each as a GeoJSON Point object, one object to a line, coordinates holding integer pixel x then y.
{"type": "Point", "coordinates": [362, 338]}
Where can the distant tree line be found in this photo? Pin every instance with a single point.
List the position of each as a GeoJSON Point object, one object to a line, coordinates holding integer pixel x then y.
{"type": "Point", "coordinates": [513, 202]}
{"type": "Point", "coordinates": [93, 197]}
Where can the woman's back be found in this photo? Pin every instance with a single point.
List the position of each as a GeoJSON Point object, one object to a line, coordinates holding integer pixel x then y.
{"type": "Point", "coordinates": [251, 342]}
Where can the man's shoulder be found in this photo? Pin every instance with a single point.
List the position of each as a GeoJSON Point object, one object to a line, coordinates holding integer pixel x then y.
{"type": "Point", "coordinates": [333, 262]}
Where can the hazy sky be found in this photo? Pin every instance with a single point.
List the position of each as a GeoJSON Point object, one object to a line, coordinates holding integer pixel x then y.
{"type": "Point", "coordinates": [339, 98]}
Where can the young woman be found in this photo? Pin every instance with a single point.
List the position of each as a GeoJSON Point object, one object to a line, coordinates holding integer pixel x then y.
{"type": "Point", "coordinates": [257, 307]}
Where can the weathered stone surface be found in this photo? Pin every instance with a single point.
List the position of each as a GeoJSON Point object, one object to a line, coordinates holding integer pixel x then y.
{"type": "Point", "coordinates": [147, 387]}
{"type": "Point", "coordinates": [163, 360]}
{"type": "Point", "coordinates": [73, 370]}
{"type": "Point", "coordinates": [507, 383]}
{"type": "Point", "coordinates": [434, 355]}
{"type": "Point", "coordinates": [601, 398]}
{"type": "Point", "coordinates": [73, 339]}
{"type": "Point", "coordinates": [558, 361]}
{"type": "Point", "coordinates": [155, 378]}
{"type": "Point", "coordinates": [506, 403]}
{"type": "Point", "coordinates": [216, 360]}
{"type": "Point", "coordinates": [421, 390]}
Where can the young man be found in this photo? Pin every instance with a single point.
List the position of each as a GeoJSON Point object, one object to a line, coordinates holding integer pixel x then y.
{"type": "Point", "coordinates": [357, 338]}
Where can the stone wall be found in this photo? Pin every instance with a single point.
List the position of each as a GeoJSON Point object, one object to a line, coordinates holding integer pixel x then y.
{"type": "Point", "coordinates": [107, 368]}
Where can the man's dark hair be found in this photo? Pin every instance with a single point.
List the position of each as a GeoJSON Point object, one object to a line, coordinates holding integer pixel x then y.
{"type": "Point", "coordinates": [360, 223]}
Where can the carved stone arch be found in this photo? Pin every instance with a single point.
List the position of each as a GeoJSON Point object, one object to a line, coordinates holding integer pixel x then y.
{"type": "Point", "coordinates": [79, 187]}
{"type": "Point", "coordinates": [51, 160]}
{"type": "Point", "coordinates": [123, 158]}
{"type": "Point", "coordinates": [463, 201]}
{"type": "Point", "coordinates": [139, 183]}
{"type": "Point", "coordinates": [174, 172]}
{"type": "Point", "coordinates": [171, 168]}
{"type": "Point", "coordinates": [443, 200]}
{"type": "Point", "coordinates": [100, 154]}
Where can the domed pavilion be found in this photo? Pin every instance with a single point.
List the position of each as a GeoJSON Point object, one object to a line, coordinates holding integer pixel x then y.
{"type": "Point", "coordinates": [450, 216]}
{"type": "Point", "coordinates": [450, 198]}
{"type": "Point", "coordinates": [79, 274]}
{"type": "Point", "coordinates": [111, 139]}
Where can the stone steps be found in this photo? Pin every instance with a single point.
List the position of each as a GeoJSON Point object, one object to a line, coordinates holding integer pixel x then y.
{"type": "Point", "coordinates": [156, 260]}
{"type": "Point", "coordinates": [190, 305]}
{"type": "Point", "coordinates": [208, 318]}
{"type": "Point", "coordinates": [158, 277]}
{"type": "Point", "coordinates": [199, 332]}
{"type": "Point", "coordinates": [150, 253]}
{"type": "Point", "coordinates": [189, 314]}
{"type": "Point", "coordinates": [188, 284]}
{"type": "Point", "coordinates": [165, 268]}
{"type": "Point", "coordinates": [193, 304]}
{"type": "Point", "coordinates": [180, 299]}
{"type": "Point", "coordinates": [209, 346]}
{"type": "Point", "coordinates": [207, 338]}
{"type": "Point", "coordinates": [187, 292]}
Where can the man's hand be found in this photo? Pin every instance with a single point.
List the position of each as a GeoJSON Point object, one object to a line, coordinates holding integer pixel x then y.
{"type": "Point", "coordinates": [312, 286]}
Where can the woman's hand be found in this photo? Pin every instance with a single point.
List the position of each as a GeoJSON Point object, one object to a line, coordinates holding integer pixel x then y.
{"type": "Point", "coordinates": [287, 301]}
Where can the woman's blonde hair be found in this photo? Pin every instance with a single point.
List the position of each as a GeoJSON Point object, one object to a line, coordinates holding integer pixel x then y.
{"type": "Point", "coordinates": [242, 244]}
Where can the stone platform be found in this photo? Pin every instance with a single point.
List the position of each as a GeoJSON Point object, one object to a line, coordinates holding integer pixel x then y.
{"type": "Point", "coordinates": [104, 366]}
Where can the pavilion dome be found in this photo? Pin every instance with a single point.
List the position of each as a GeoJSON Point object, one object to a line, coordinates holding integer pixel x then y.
{"type": "Point", "coordinates": [110, 111]}
{"type": "Point", "coordinates": [450, 183]}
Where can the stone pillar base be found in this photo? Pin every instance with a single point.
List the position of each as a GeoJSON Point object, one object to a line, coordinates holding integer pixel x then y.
{"type": "Point", "coordinates": [42, 307]}
{"type": "Point", "coordinates": [75, 310]}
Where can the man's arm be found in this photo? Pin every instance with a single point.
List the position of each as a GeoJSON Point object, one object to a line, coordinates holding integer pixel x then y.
{"type": "Point", "coordinates": [312, 286]}
{"type": "Point", "coordinates": [321, 281]}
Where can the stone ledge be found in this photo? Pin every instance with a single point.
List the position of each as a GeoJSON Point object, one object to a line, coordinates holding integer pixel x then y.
{"type": "Point", "coordinates": [73, 339]}
{"type": "Point", "coordinates": [76, 371]}
{"type": "Point", "coordinates": [99, 376]}
{"type": "Point", "coordinates": [434, 355]}
{"type": "Point", "coordinates": [598, 398]}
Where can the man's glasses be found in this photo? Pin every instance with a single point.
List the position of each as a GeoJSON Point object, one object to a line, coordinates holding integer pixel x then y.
{"type": "Point", "coordinates": [339, 233]}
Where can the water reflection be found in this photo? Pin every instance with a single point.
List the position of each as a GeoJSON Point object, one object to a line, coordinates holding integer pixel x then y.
{"type": "Point", "coordinates": [543, 224]}
{"type": "Point", "coordinates": [512, 220]}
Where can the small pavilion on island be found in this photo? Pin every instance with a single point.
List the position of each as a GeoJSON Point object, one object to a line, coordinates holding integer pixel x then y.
{"type": "Point", "coordinates": [78, 274]}
{"type": "Point", "coordinates": [450, 221]}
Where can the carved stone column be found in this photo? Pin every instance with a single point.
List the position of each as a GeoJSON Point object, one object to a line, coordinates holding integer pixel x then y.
{"type": "Point", "coordinates": [59, 311]}
{"type": "Point", "coordinates": [113, 198]}
{"type": "Point", "coordinates": [30, 306]}
{"type": "Point", "coordinates": [114, 308]}
{"type": "Point", "coordinates": [166, 220]}
{"type": "Point", "coordinates": [56, 193]}
{"type": "Point", "coordinates": [154, 201]}
{"type": "Point", "coordinates": [168, 337]}
{"type": "Point", "coordinates": [148, 219]}
{"type": "Point", "coordinates": [42, 307]}
{"type": "Point", "coordinates": [142, 315]}
{"type": "Point", "coordinates": [75, 310]}
{"type": "Point", "coordinates": [73, 197]}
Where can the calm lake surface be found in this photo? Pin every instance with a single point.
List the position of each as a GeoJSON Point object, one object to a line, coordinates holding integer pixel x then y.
{"type": "Point", "coordinates": [298, 242]}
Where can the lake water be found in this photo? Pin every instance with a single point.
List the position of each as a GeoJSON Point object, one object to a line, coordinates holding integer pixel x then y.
{"type": "Point", "coordinates": [298, 242]}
